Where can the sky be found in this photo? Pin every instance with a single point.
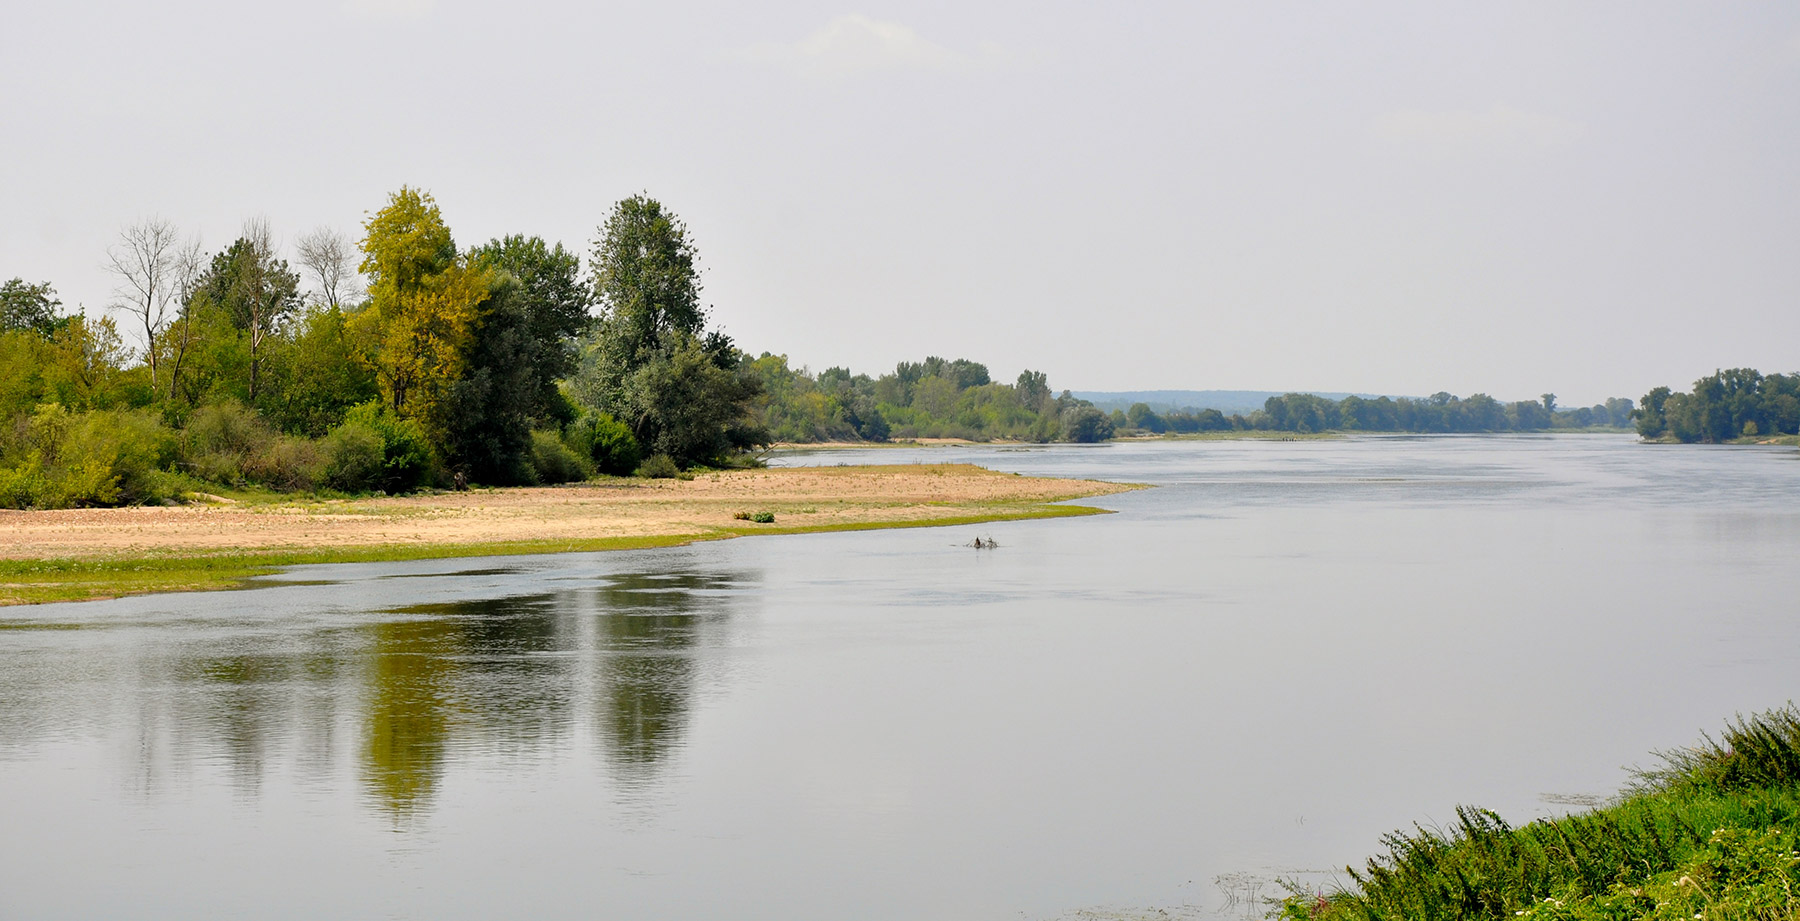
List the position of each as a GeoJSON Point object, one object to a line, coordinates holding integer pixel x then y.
{"type": "Point", "coordinates": [1590, 199]}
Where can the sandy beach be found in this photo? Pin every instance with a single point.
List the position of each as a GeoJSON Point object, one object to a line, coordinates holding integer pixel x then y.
{"type": "Point", "coordinates": [800, 498]}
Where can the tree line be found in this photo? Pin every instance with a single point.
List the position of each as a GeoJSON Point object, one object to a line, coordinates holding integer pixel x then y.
{"type": "Point", "coordinates": [1440, 413]}
{"type": "Point", "coordinates": [1723, 406]}
{"type": "Point", "coordinates": [501, 363]}
{"type": "Point", "coordinates": [934, 398]}
{"type": "Point", "coordinates": [938, 398]}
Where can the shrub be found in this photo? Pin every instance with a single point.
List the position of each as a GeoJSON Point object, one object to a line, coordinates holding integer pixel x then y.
{"type": "Point", "coordinates": [408, 460]}
{"type": "Point", "coordinates": [353, 455]}
{"type": "Point", "coordinates": [659, 467]}
{"type": "Point", "coordinates": [289, 462]}
{"type": "Point", "coordinates": [554, 462]}
{"type": "Point", "coordinates": [223, 442]}
{"type": "Point", "coordinates": [136, 448]}
{"type": "Point", "coordinates": [66, 460]}
{"type": "Point", "coordinates": [607, 442]}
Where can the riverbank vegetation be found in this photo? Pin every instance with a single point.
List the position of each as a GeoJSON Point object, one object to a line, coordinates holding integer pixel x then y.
{"type": "Point", "coordinates": [1738, 405]}
{"type": "Point", "coordinates": [1713, 833]}
{"type": "Point", "coordinates": [501, 363]}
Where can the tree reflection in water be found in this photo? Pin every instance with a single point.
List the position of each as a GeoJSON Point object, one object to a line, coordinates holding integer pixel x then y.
{"type": "Point", "coordinates": [387, 701]}
{"type": "Point", "coordinates": [651, 624]}
{"type": "Point", "coordinates": [498, 676]}
{"type": "Point", "coordinates": [410, 686]}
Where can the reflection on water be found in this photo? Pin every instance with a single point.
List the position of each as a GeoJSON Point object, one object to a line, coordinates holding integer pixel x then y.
{"type": "Point", "coordinates": [652, 625]}
{"type": "Point", "coordinates": [411, 683]}
{"type": "Point", "coordinates": [504, 676]}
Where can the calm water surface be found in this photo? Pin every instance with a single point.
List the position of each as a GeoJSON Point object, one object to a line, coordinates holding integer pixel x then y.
{"type": "Point", "coordinates": [1253, 670]}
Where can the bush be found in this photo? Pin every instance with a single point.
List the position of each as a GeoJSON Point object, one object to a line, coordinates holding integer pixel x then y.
{"type": "Point", "coordinates": [223, 442]}
{"type": "Point", "coordinates": [353, 457]}
{"type": "Point", "coordinates": [659, 467]}
{"type": "Point", "coordinates": [290, 463]}
{"type": "Point", "coordinates": [607, 442]}
{"type": "Point", "coordinates": [554, 462]}
{"type": "Point", "coordinates": [65, 460]}
{"type": "Point", "coordinates": [408, 459]}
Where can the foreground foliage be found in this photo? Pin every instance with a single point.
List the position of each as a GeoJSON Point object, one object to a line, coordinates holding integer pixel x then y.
{"type": "Point", "coordinates": [1714, 833]}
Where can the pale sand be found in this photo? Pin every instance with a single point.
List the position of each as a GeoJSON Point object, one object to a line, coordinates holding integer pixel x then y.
{"type": "Point", "coordinates": [799, 497]}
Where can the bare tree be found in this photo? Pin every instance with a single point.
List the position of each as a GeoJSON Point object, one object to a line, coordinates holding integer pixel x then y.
{"type": "Point", "coordinates": [264, 301]}
{"type": "Point", "coordinates": [190, 267]}
{"type": "Point", "coordinates": [145, 261]}
{"type": "Point", "coordinates": [327, 255]}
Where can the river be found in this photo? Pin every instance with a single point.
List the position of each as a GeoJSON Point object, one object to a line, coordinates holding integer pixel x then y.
{"type": "Point", "coordinates": [1251, 671]}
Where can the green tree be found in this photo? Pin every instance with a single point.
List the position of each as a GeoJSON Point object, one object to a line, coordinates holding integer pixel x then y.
{"type": "Point", "coordinates": [1034, 390]}
{"type": "Point", "coordinates": [646, 279]}
{"type": "Point", "coordinates": [30, 307]}
{"type": "Point", "coordinates": [256, 291]}
{"type": "Point", "coordinates": [521, 347]}
{"type": "Point", "coordinates": [650, 362]}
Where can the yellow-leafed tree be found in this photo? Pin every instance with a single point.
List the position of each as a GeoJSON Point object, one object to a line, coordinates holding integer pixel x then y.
{"type": "Point", "coordinates": [424, 304]}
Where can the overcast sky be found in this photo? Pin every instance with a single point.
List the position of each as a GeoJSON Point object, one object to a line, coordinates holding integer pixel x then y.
{"type": "Point", "coordinates": [1509, 198]}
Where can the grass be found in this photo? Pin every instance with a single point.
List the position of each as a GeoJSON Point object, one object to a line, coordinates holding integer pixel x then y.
{"type": "Point", "coordinates": [1714, 833]}
{"type": "Point", "coordinates": [94, 578]}
{"type": "Point", "coordinates": [1788, 440]}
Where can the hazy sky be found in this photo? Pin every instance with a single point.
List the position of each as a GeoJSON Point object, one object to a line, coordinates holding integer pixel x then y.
{"type": "Point", "coordinates": [1579, 197]}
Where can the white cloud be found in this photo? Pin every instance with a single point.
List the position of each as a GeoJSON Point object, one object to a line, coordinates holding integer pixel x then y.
{"type": "Point", "coordinates": [388, 9]}
{"type": "Point", "coordinates": [854, 44]}
{"type": "Point", "coordinates": [1500, 129]}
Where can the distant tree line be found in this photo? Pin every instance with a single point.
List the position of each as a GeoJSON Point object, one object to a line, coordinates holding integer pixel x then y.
{"type": "Point", "coordinates": [502, 363]}
{"type": "Point", "coordinates": [1439, 413]}
{"type": "Point", "coordinates": [1725, 405]}
{"type": "Point", "coordinates": [957, 399]}
{"type": "Point", "coordinates": [934, 398]}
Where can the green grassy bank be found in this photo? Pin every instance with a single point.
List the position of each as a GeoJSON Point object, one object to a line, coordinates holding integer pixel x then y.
{"type": "Point", "coordinates": [92, 578]}
{"type": "Point", "coordinates": [1714, 834]}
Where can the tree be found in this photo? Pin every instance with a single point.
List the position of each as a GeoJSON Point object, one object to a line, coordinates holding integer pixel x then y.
{"type": "Point", "coordinates": [650, 361]}
{"type": "Point", "coordinates": [424, 301]}
{"type": "Point", "coordinates": [146, 260]}
{"type": "Point", "coordinates": [1141, 416]}
{"type": "Point", "coordinates": [519, 351]}
{"type": "Point", "coordinates": [327, 256]}
{"type": "Point", "coordinates": [1086, 424]}
{"type": "Point", "coordinates": [30, 307]}
{"type": "Point", "coordinates": [1034, 389]}
{"type": "Point", "coordinates": [255, 289]}
{"type": "Point", "coordinates": [549, 302]}
{"type": "Point", "coordinates": [645, 278]}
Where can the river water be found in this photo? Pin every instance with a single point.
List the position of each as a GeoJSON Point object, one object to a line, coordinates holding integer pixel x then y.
{"type": "Point", "coordinates": [1252, 671]}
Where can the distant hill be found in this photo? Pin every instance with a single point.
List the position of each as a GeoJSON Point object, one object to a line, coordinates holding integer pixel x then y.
{"type": "Point", "coordinates": [1225, 401]}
